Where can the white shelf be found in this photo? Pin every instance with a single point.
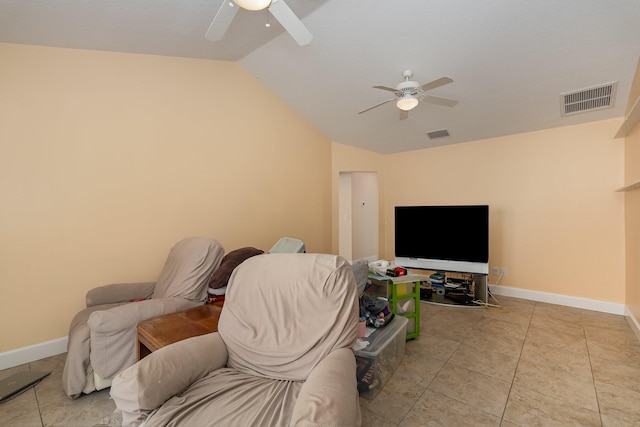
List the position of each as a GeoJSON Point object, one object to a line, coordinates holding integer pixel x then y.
{"type": "Point", "coordinates": [630, 187]}
{"type": "Point", "coordinates": [630, 121]}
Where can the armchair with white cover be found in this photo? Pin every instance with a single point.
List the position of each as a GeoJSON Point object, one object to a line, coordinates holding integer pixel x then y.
{"type": "Point", "coordinates": [102, 337]}
{"type": "Point", "coordinates": [281, 357]}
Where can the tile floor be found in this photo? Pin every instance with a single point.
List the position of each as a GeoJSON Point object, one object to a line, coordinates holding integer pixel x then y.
{"type": "Point", "coordinates": [523, 364]}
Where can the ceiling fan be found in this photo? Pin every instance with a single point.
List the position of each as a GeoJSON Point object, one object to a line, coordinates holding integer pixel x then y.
{"type": "Point", "coordinates": [409, 93]}
{"type": "Point", "coordinates": [278, 9]}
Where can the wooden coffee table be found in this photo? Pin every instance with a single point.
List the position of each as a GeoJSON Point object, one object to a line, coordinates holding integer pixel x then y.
{"type": "Point", "coordinates": [164, 330]}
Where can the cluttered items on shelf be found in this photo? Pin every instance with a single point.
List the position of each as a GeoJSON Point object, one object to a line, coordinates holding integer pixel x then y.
{"type": "Point", "coordinates": [375, 310]}
{"type": "Point", "coordinates": [386, 268]}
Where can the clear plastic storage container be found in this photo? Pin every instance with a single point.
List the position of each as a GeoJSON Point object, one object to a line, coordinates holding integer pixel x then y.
{"type": "Point", "coordinates": [378, 361]}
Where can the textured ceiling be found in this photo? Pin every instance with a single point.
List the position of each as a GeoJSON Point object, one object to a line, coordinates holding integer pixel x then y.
{"type": "Point", "coordinates": [509, 59]}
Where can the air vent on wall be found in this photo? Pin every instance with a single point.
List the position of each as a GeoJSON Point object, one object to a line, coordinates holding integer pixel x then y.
{"type": "Point", "coordinates": [438, 134]}
{"type": "Point", "coordinates": [589, 99]}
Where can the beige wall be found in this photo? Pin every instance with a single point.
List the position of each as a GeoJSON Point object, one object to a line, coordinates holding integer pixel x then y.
{"type": "Point", "coordinates": [107, 159]}
{"type": "Point", "coordinates": [556, 223]}
{"type": "Point", "coordinates": [632, 207]}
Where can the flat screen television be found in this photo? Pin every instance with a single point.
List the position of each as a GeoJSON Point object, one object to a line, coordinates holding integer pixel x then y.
{"type": "Point", "coordinates": [443, 238]}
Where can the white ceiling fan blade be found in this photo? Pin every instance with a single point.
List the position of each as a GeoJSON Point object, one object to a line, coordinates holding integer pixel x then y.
{"type": "Point", "coordinates": [222, 21]}
{"type": "Point", "coordinates": [377, 105]}
{"type": "Point", "coordinates": [390, 89]}
{"type": "Point", "coordinates": [445, 102]}
{"type": "Point", "coordinates": [290, 22]}
{"type": "Point", "coordinates": [436, 83]}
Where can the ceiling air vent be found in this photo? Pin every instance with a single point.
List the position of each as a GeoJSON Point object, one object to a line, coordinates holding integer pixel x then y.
{"type": "Point", "coordinates": [589, 99]}
{"type": "Point", "coordinates": [438, 134]}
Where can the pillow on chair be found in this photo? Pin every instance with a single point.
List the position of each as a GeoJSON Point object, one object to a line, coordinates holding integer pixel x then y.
{"type": "Point", "coordinates": [230, 261]}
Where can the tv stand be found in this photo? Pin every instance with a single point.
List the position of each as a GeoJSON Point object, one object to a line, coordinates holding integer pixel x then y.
{"type": "Point", "coordinates": [456, 288]}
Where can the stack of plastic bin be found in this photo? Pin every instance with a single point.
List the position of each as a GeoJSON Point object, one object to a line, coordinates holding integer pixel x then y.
{"type": "Point", "coordinates": [378, 361]}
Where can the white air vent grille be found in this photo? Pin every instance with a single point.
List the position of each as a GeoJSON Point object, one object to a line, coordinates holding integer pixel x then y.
{"type": "Point", "coordinates": [438, 134]}
{"type": "Point", "coordinates": [589, 99]}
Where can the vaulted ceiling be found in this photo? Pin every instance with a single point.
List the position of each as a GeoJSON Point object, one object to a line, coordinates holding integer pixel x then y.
{"type": "Point", "coordinates": [510, 60]}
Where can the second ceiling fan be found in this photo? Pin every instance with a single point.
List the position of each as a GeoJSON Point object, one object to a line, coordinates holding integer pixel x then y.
{"type": "Point", "coordinates": [278, 8]}
{"type": "Point", "coordinates": [409, 93]}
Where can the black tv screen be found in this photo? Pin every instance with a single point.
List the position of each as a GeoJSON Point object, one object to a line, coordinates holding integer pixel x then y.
{"type": "Point", "coordinates": [458, 236]}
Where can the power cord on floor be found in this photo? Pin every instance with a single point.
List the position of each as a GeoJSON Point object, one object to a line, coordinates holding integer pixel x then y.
{"type": "Point", "coordinates": [487, 304]}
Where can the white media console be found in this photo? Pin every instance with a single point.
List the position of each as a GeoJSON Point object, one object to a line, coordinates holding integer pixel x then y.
{"type": "Point", "coordinates": [477, 272]}
{"type": "Point", "coordinates": [443, 265]}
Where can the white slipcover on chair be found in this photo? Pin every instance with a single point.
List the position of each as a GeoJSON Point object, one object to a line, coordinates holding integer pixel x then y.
{"type": "Point", "coordinates": [282, 354]}
{"type": "Point", "coordinates": [102, 337]}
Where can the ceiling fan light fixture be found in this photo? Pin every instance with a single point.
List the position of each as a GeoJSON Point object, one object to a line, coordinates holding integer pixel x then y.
{"type": "Point", "coordinates": [407, 102]}
{"type": "Point", "coordinates": [253, 4]}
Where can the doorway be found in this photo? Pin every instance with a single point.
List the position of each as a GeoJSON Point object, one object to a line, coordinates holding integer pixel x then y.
{"type": "Point", "coordinates": [358, 210]}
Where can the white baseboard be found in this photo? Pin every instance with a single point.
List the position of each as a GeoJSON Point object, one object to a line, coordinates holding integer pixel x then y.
{"type": "Point", "coordinates": [578, 302]}
{"type": "Point", "coordinates": [23, 355]}
{"type": "Point", "coordinates": [633, 322]}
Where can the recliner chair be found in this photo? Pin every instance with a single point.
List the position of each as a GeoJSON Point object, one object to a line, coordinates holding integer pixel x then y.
{"type": "Point", "coordinates": [281, 357]}
{"type": "Point", "coordinates": [102, 337]}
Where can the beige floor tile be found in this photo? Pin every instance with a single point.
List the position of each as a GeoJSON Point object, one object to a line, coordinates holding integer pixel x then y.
{"type": "Point", "coordinates": [472, 388]}
{"type": "Point", "coordinates": [634, 327]}
{"type": "Point", "coordinates": [604, 320]}
{"type": "Point", "coordinates": [508, 314]}
{"type": "Point", "coordinates": [611, 421]}
{"type": "Point", "coordinates": [516, 303]}
{"type": "Point", "coordinates": [501, 327]}
{"type": "Point", "coordinates": [529, 408]}
{"type": "Point", "coordinates": [371, 419]}
{"type": "Point", "coordinates": [417, 368]}
{"type": "Point", "coordinates": [429, 310]}
{"type": "Point", "coordinates": [557, 326]}
{"type": "Point", "coordinates": [459, 315]}
{"type": "Point", "coordinates": [395, 399]}
{"type": "Point", "coordinates": [501, 342]}
{"type": "Point", "coordinates": [615, 352]}
{"type": "Point", "coordinates": [617, 403]}
{"type": "Point", "coordinates": [57, 409]}
{"type": "Point", "coordinates": [435, 409]}
{"type": "Point", "coordinates": [456, 333]}
{"type": "Point", "coordinates": [557, 383]}
{"type": "Point", "coordinates": [88, 410]}
{"type": "Point", "coordinates": [465, 312]}
{"type": "Point", "coordinates": [625, 374]}
{"type": "Point", "coordinates": [576, 363]}
{"type": "Point", "coordinates": [558, 313]}
{"type": "Point", "coordinates": [21, 410]}
{"type": "Point", "coordinates": [447, 326]}
{"type": "Point", "coordinates": [432, 347]}
{"type": "Point", "coordinates": [616, 337]}
{"type": "Point", "coordinates": [545, 337]}
{"type": "Point", "coordinates": [485, 361]}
